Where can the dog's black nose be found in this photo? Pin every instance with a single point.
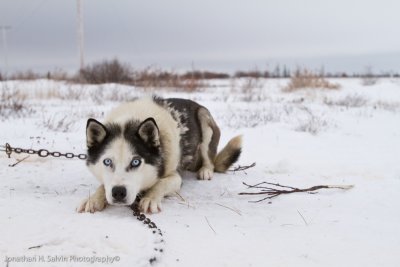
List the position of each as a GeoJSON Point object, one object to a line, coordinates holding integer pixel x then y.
{"type": "Point", "coordinates": [118, 193]}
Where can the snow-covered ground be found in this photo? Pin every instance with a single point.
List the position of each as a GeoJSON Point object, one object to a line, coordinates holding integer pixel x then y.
{"type": "Point", "coordinates": [349, 136]}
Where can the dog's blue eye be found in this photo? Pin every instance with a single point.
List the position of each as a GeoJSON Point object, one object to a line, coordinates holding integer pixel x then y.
{"type": "Point", "coordinates": [107, 162]}
{"type": "Point", "coordinates": [135, 163]}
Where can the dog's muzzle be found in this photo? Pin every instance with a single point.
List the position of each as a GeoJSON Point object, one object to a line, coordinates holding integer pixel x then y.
{"type": "Point", "coordinates": [119, 193]}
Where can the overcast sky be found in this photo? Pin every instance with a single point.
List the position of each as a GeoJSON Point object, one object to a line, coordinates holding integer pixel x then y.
{"type": "Point", "coordinates": [221, 35]}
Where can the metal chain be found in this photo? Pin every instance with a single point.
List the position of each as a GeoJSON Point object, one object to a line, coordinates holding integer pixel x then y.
{"type": "Point", "coordinates": [41, 152]}
{"type": "Point", "coordinates": [155, 230]}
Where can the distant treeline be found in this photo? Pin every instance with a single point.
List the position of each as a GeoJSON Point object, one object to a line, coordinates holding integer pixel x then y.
{"type": "Point", "coordinates": [113, 71]}
{"type": "Point", "coordinates": [287, 73]}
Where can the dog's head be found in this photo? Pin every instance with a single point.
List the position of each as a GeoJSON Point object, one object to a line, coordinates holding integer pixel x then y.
{"type": "Point", "coordinates": [127, 158]}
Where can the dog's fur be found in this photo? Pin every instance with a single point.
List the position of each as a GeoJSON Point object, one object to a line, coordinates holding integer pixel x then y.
{"type": "Point", "coordinates": [167, 136]}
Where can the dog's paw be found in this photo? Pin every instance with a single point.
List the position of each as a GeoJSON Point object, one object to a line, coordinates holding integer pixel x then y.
{"type": "Point", "coordinates": [92, 205]}
{"type": "Point", "coordinates": [150, 204]}
{"type": "Point", "coordinates": [205, 173]}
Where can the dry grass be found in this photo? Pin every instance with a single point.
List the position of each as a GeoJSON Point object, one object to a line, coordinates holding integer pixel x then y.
{"type": "Point", "coordinates": [12, 103]}
{"type": "Point", "coordinates": [50, 93]}
{"type": "Point", "coordinates": [71, 92]}
{"type": "Point", "coordinates": [305, 79]}
{"type": "Point", "coordinates": [154, 78]}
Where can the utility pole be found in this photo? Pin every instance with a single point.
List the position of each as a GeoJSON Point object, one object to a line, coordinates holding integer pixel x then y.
{"type": "Point", "coordinates": [4, 30]}
{"type": "Point", "coordinates": [80, 34]}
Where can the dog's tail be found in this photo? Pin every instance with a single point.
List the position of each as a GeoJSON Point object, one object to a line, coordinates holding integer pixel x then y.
{"type": "Point", "coordinates": [228, 155]}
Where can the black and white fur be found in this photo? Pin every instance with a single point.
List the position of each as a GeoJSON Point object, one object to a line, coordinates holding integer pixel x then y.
{"type": "Point", "coordinates": [165, 136]}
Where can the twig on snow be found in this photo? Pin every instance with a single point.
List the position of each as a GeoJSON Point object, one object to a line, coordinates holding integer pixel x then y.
{"type": "Point", "coordinates": [273, 189]}
{"type": "Point", "coordinates": [229, 208]}
{"type": "Point", "coordinates": [179, 195]}
{"type": "Point", "coordinates": [242, 168]}
{"type": "Point", "coordinates": [210, 225]}
{"type": "Point", "coordinates": [185, 202]}
{"type": "Point", "coordinates": [301, 215]}
{"type": "Point", "coordinates": [38, 246]}
{"type": "Point", "coordinates": [18, 161]}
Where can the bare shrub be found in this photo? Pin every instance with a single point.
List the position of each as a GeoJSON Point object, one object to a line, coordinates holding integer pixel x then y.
{"type": "Point", "coordinates": [229, 92]}
{"type": "Point", "coordinates": [12, 103]}
{"type": "Point", "coordinates": [58, 75]}
{"type": "Point", "coordinates": [252, 89]}
{"type": "Point", "coordinates": [148, 78]}
{"type": "Point", "coordinates": [389, 106]}
{"type": "Point", "coordinates": [303, 79]}
{"type": "Point", "coordinates": [58, 123]}
{"type": "Point", "coordinates": [204, 75]}
{"type": "Point", "coordinates": [26, 75]}
{"type": "Point", "coordinates": [250, 118]}
{"type": "Point", "coordinates": [311, 124]}
{"type": "Point", "coordinates": [106, 71]}
{"type": "Point", "coordinates": [249, 74]}
{"type": "Point", "coordinates": [368, 78]}
{"type": "Point", "coordinates": [349, 101]}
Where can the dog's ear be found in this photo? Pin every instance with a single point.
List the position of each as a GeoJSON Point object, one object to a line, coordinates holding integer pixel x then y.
{"type": "Point", "coordinates": [148, 132]}
{"type": "Point", "coordinates": [95, 132]}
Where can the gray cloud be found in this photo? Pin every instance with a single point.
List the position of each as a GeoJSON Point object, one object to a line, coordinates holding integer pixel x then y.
{"type": "Point", "coordinates": [216, 34]}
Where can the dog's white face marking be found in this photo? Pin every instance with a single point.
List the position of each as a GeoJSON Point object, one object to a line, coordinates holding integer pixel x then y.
{"type": "Point", "coordinates": [115, 169]}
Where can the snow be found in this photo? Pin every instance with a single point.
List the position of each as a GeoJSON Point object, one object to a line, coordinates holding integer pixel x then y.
{"type": "Point", "coordinates": [310, 137]}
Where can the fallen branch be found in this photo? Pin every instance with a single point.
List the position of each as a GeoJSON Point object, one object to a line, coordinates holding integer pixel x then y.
{"type": "Point", "coordinates": [242, 168]}
{"type": "Point", "coordinates": [18, 161]}
{"type": "Point", "coordinates": [273, 190]}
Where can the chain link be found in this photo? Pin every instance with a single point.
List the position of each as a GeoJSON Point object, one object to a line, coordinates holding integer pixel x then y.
{"type": "Point", "coordinates": [151, 225]}
{"type": "Point", "coordinates": [41, 152]}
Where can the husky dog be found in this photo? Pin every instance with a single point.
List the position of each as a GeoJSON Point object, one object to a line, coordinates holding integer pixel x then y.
{"type": "Point", "coordinates": [144, 144]}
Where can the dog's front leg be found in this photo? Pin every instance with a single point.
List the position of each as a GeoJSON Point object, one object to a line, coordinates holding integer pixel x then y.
{"type": "Point", "coordinates": [151, 202]}
{"type": "Point", "coordinates": [95, 202]}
